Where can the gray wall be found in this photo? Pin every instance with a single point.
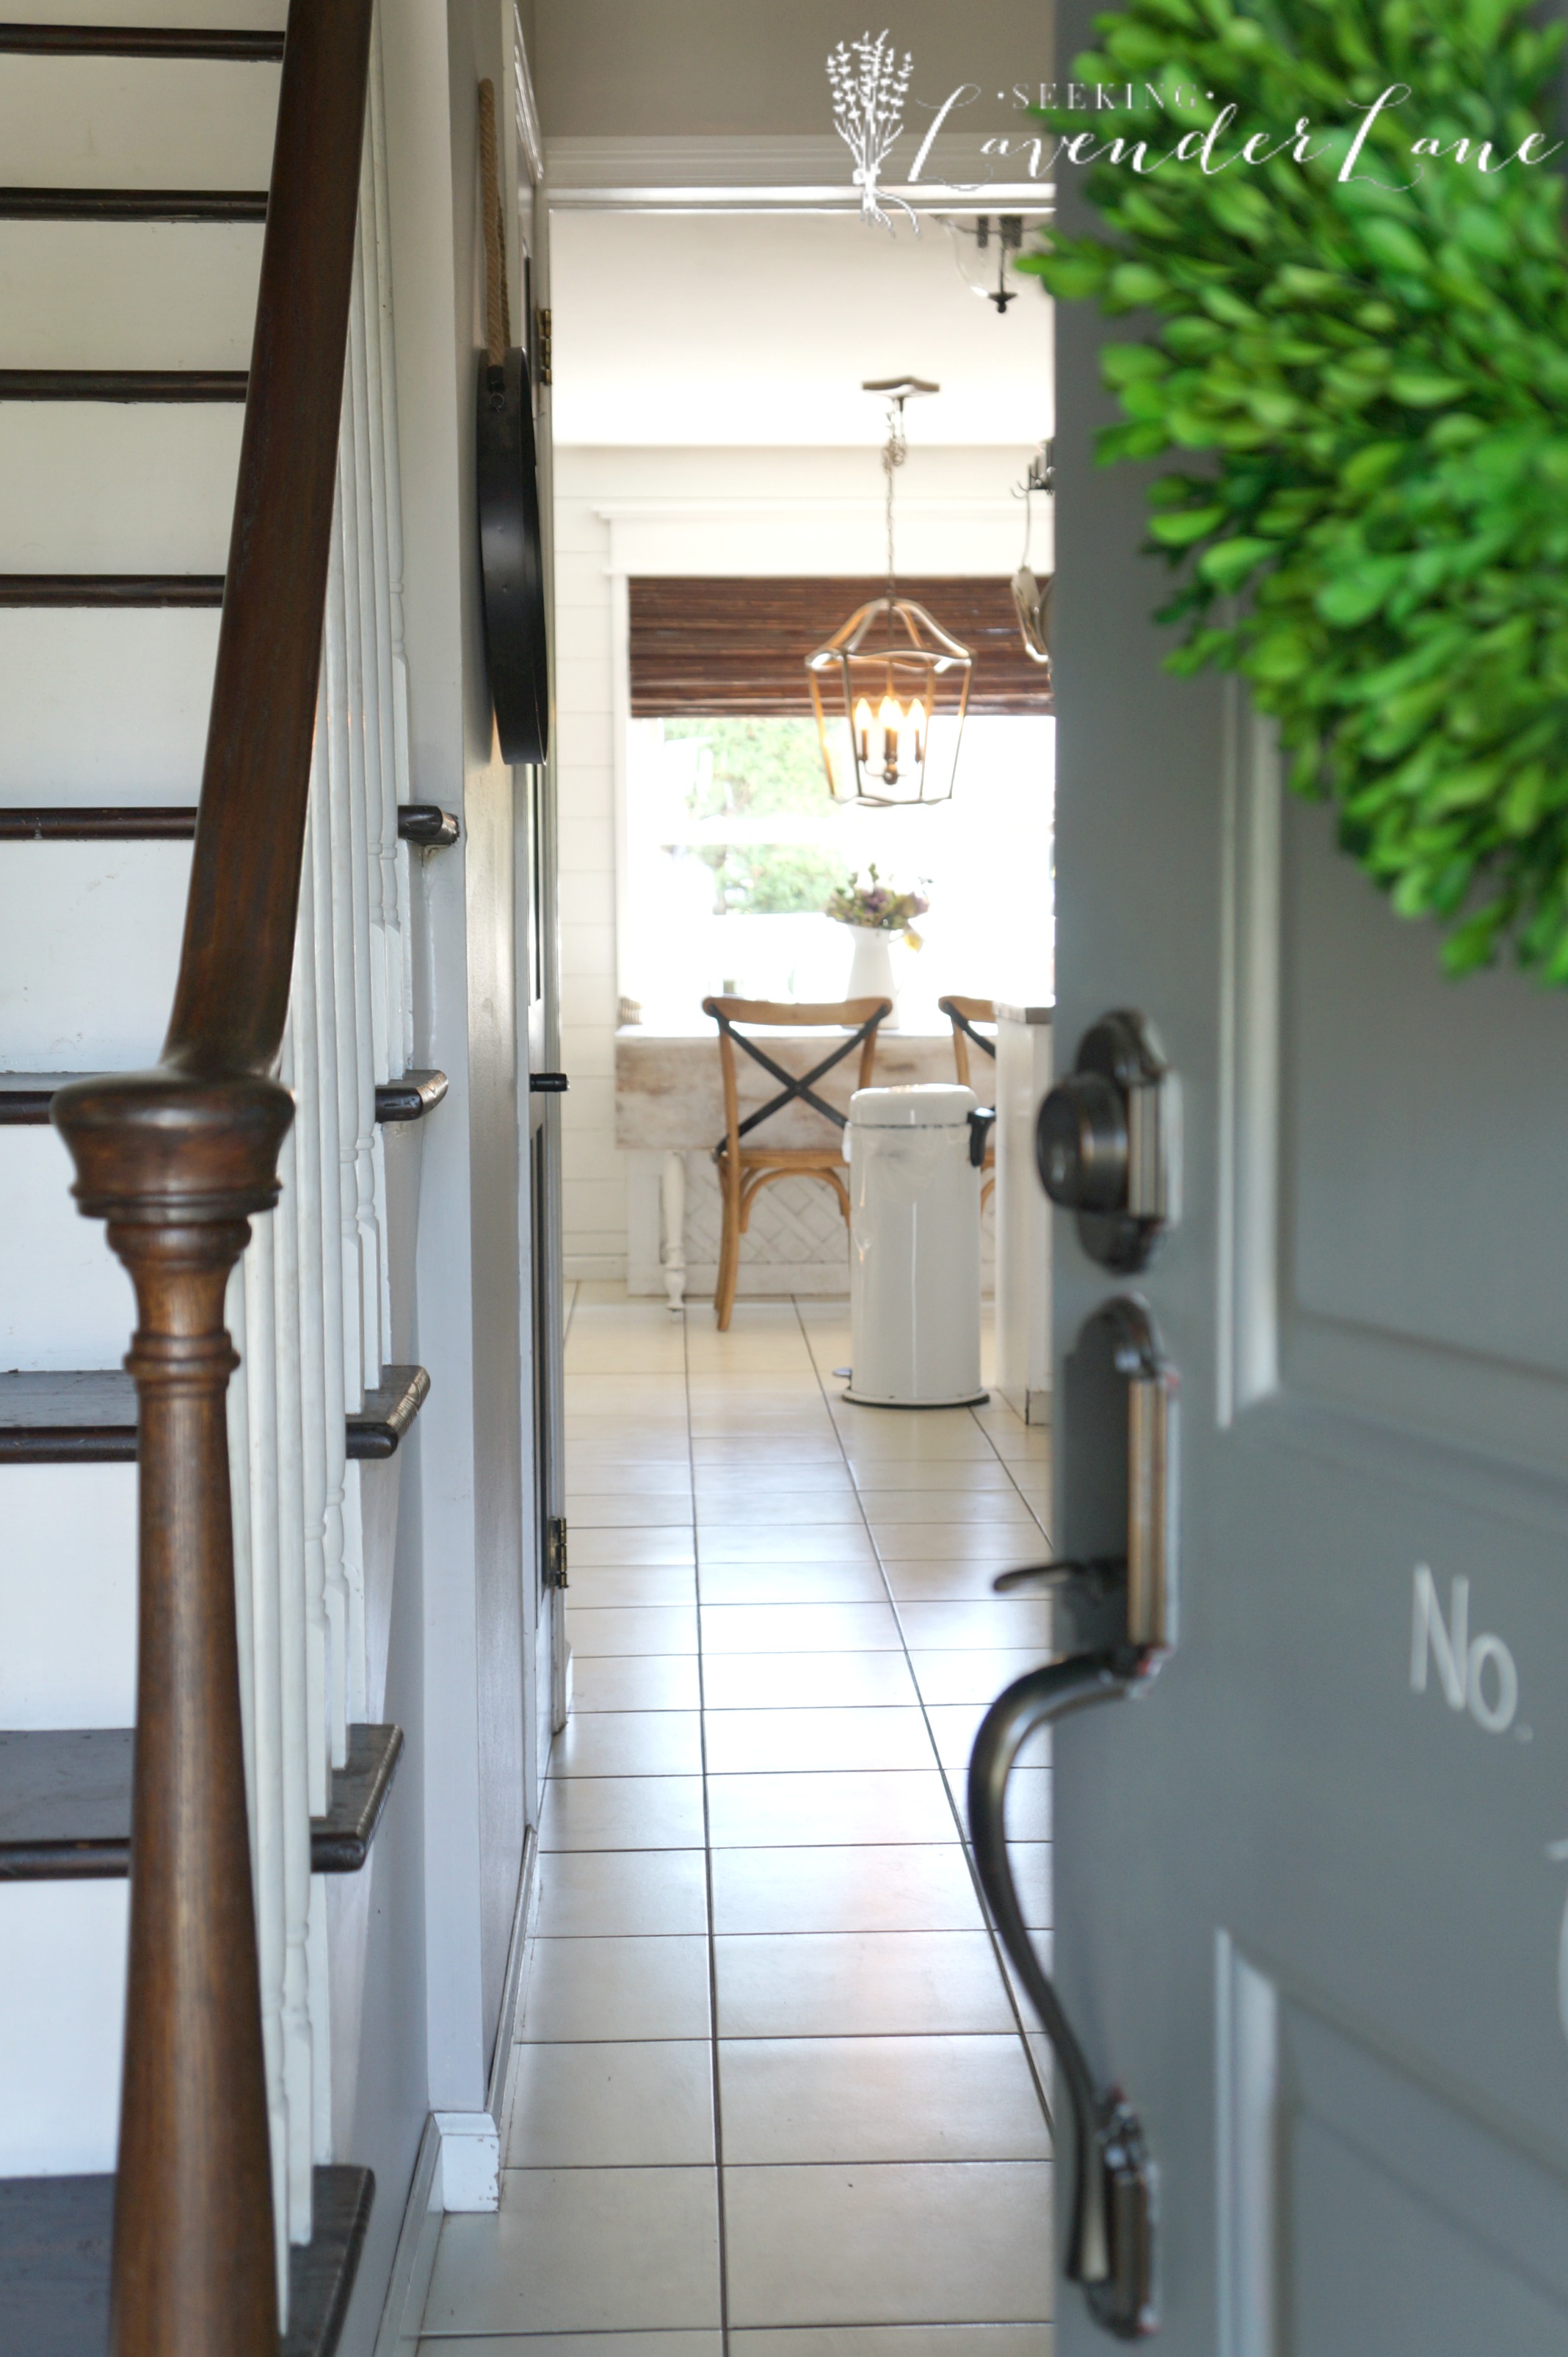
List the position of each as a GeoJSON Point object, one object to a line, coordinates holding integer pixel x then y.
{"type": "Point", "coordinates": [476, 50]}
{"type": "Point", "coordinates": [732, 67]}
{"type": "Point", "coordinates": [439, 1905]}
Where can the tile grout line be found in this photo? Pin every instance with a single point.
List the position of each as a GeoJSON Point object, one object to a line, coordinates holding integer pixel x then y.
{"type": "Point", "coordinates": [707, 1859]}
{"type": "Point", "coordinates": [1027, 1503]}
{"type": "Point", "coordinates": [954, 1811]}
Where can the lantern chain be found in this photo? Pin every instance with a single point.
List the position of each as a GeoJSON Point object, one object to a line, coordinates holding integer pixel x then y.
{"type": "Point", "coordinates": [895, 452]}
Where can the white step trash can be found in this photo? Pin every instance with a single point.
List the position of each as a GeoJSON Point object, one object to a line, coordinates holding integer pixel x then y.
{"type": "Point", "coordinates": [914, 1158]}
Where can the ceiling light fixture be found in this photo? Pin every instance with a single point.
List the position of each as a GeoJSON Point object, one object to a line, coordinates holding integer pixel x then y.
{"type": "Point", "coordinates": [1032, 596]}
{"type": "Point", "coordinates": [983, 249]}
{"type": "Point", "coordinates": [891, 687]}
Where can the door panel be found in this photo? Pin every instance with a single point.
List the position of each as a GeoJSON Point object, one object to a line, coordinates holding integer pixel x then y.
{"type": "Point", "coordinates": [1374, 2182]}
{"type": "Point", "coordinates": [1425, 1132]}
{"type": "Point", "coordinates": [1354, 1769]}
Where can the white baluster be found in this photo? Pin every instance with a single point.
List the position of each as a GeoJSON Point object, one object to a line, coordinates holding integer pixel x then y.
{"type": "Point", "coordinates": [327, 1742]}
{"type": "Point", "coordinates": [374, 313]}
{"type": "Point", "coordinates": [354, 846]}
{"type": "Point", "coordinates": [320, 1956]}
{"type": "Point", "coordinates": [260, 1346]}
{"type": "Point", "coordinates": [338, 836]}
{"type": "Point", "coordinates": [360, 523]}
{"type": "Point", "coordinates": [344, 1562]}
{"type": "Point", "coordinates": [303, 1744]}
{"type": "Point", "coordinates": [361, 439]}
{"type": "Point", "coordinates": [398, 783]}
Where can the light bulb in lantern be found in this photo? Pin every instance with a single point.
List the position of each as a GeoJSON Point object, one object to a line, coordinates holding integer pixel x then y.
{"type": "Point", "coordinates": [917, 723]}
{"type": "Point", "coordinates": [890, 720]}
{"type": "Point", "coordinates": [863, 730]}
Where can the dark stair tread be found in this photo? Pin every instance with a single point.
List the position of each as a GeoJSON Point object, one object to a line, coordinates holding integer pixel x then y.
{"type": "Point", "coordinates": [123, 385]}
{"type": "Point", "coordinates": [117, 589]}
{"type": "Point", "coordinates": [427, 824]}
{"type": "Point", "coordinates": [410, 1098]}
{"type": "Point", "coordinates": [134, 204]}
{"type": "Point", "coordinates": [140, 41]}
{"type": "Point", "coordinates": [88, 1417]}
{"type": "Point", "coordinates": [389, 1411]}
{"type": "Point", "coordinates": [55, 2236]}
{"type": "Point", "coordinates": [24, 1097]}
{"type": "Point", "coordinates": [424, 824]}
{"type": "Point", "coordinates": [98, 823]}
{"type": "Point", "coordinates": [65, 1804]}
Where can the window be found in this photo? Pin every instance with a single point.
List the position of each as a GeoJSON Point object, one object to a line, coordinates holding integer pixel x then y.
{"type": "Point", "coordinates": [734, 844]}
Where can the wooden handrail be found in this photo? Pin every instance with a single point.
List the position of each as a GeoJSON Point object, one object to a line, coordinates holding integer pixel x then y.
{"type": "Point", "coordinates": [176, 1160]}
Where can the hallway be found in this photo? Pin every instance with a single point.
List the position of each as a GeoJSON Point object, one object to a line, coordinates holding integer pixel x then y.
{"type": "Point", "coordinates": [771, 2079]}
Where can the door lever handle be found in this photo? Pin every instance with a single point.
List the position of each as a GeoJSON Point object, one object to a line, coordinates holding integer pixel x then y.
{"type": "Point", "coordinates": [1120, 1605]}
{"type": "Point", "coordinates": [1110, 2241]}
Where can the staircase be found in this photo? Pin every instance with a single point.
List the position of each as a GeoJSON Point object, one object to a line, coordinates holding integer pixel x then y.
{"type": "Point", "coordinates": [140, 257]}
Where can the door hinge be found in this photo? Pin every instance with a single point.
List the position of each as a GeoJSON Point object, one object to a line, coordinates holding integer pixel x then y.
{"type": "Point", "coordinates": [542, 319]}
{"type": "Point", "coordinates": [556, 1551]}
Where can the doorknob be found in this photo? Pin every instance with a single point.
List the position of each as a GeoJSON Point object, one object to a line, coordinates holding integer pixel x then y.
{"type": "Point", "coordinates": [1104, 1142]}
{"type": "Point", "coordinates": [1116, 1595]}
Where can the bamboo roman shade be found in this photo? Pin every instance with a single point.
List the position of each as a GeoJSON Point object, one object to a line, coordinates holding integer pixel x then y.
{"type": "Point", "coordinates": [704, 646]}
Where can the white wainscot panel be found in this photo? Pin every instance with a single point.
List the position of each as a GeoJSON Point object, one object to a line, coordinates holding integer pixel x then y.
{"type": "Point", "coordinates": [67, 1596]}
{"type": "Point", "coordinates": [62, 2008]}
{"type": "Point", "coordinates": [65, 1300]}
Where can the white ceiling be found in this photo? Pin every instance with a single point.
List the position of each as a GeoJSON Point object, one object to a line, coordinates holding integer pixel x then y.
{"type": "Point", "coordinates": [755, 328]}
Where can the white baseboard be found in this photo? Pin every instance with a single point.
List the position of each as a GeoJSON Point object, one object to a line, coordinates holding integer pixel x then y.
{"type": "Point", "coordinates": [580, 1268]}
{"type": "Point", "coordinates": [470, 2161]}
{"type": "Point", "coordinates": [458, 2163]}
{"type": "Point", "coordinates": [760, 1281]}
{"type": "Point", "coordinates": [499, 2092]}
{"type": "Point", "coordinates": [414, 2261]}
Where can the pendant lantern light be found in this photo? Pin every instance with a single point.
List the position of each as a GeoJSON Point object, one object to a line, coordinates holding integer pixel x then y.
{"type": "Point", "coordinates": [985, 248]}
{"type": "Point", "coordinates": [891, 687]}
{"type": "Point", "coordinates": [1031, 596]}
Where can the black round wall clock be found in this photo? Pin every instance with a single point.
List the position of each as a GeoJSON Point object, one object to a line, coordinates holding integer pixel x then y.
{"type": "Point", "coordinates": [513, 557]}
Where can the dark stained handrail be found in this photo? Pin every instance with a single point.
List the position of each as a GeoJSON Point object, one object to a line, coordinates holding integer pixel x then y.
{"type": "Point", "coordinates": [176, 1160]}
{"type": "Point", "coordinates": [230, 1006]}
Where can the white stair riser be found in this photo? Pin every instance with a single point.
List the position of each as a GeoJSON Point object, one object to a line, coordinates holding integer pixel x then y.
{"type": "Point", "coordinates": [67, 1596]}
{"type": "Point", "coordinates": [65, 1300]}
{"type": "Point", "coordinates": [104, 707]}
{"type": "Point", "coordinates": [136, 122]}
{"type": "Point", "coordinates": [128, 294]}
{"type": "Point", "coordinates": [62, 2010]}
{"type": "Point", "coordinates": [95, 488]}
{"type": "Point", "coordinates": [89, 953]}
{"type": "Point", "coordinates": [252, 16]}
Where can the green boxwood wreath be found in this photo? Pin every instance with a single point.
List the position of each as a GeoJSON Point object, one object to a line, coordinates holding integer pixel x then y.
{"type": "Point", "coordinates": [1371, 386]}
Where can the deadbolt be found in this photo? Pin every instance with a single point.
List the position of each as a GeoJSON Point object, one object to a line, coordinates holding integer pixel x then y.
{"type": "Point", "coordinates": [1104, 1142]}
{"type": "Point", "coordinates": [1083, 1144]}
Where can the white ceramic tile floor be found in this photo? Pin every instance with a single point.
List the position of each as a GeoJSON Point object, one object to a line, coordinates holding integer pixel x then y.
{"type": "Point", "coordinates": [771, 2095]}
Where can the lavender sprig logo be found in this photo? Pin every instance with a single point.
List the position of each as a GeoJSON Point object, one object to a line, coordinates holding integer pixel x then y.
{"type": "Point", "coordinates": [869, 82]}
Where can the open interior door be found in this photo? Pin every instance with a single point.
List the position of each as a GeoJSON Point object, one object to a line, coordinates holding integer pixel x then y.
{"type": "Point", "coordinates": [1311, 1883]}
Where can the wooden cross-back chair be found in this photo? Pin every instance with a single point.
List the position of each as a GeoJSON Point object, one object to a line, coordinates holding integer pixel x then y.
{"type": "Point", "coordinates": [743, 1170]}
{"type": "Point", "coordinates": [966, 1015]}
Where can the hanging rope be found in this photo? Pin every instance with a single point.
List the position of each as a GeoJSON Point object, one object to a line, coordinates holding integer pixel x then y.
{"type": "Point", "coordinates": [498, 307]}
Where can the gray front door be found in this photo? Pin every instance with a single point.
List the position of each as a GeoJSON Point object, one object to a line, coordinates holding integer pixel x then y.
{"type": "Point", "coordinates": [1311, 1886]}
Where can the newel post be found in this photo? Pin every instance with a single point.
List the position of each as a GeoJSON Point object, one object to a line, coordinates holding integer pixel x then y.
{"type": "Point", "coordinates": [177, 1164]}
